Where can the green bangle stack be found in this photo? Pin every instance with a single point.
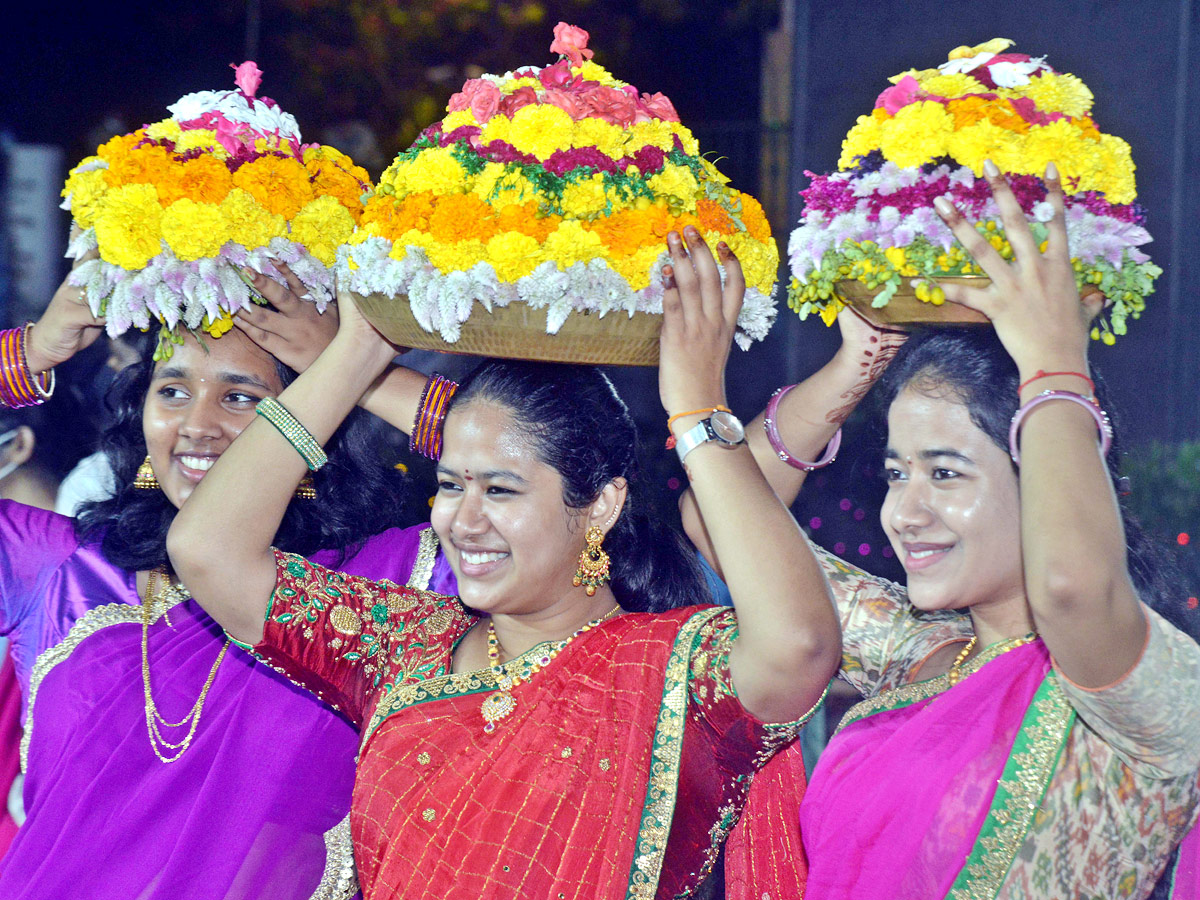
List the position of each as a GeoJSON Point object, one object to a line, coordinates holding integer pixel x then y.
{"type": "Point", "coordinates": [297, 435]}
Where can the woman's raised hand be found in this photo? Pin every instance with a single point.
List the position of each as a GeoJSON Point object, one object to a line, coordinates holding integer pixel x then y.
{"type": "Point", "coordinates": [293, 332]}
{"type": "Point", "coordinates": [699, 319]}
{"type": "Point", "coordinates": [66, 327]}
{"type": "Point", "coordinates": [1033, 300]}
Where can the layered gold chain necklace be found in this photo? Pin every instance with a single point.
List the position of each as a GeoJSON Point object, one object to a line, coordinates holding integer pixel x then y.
{"type": "Point", "coordinates": [170, 752]}
{"type": "Point", "coordinates": [502, 703]}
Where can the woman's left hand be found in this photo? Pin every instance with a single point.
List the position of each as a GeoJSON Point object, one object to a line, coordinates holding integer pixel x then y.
{"type": "Point", "coordinates": [1033, 301]}
{"type": "Point", "coordinates": [699, 319]}
{"type": "Point", "coordinates": [293, 332]}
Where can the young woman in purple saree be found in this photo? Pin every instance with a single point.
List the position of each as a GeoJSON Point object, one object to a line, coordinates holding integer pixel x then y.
{"type": "Point", "coordinates": [157, 764]}
{"type": "Point", "coordinates": [1031, 722]}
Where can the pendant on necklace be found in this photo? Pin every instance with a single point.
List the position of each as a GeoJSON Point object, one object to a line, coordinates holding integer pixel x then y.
{"type": "Point", "coordinates": [498, 706]}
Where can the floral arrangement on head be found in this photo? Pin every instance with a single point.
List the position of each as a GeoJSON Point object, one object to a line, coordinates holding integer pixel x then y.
{"type": "Point", "coordinates": [178, 208]}
{"type": "Point", "coordinates": [555, 187]}
{"type": "Point", "coordinates": [873, 220]}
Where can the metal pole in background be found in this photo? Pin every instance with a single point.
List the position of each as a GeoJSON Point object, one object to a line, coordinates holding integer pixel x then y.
{"type": "Point", "coordinates": [253, 21]}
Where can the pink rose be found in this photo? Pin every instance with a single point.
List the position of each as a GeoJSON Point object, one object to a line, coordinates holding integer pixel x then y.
{"type": "Point", "coordinates": [898, 95]}
{"type": "Point", "coordinates": [658, 106]}
{"type": "Point", "coordinates": [247, 77]}
{"type": "Point", "coordinates": [521, 97]}
{"type": "Point", "coordinates": [478, 95]}
{"type": "Point", "coordinates": [613, 106]}
{"type": "Point", "coordinates": [571, 42]}
{"type": "Point", "coordinates": [566, 101]}
{"type": "Point", "coordinates": [557, 75]}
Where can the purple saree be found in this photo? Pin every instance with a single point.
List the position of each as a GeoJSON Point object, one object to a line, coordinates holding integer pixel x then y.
{"type": "Point", "coordinates": [255, 807]}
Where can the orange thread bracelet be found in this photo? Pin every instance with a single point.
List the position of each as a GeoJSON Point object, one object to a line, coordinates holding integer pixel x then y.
{"type": "Point", "coordinates": [670, 445]}
{"type": "Point", "coordinates": [1040, 374]}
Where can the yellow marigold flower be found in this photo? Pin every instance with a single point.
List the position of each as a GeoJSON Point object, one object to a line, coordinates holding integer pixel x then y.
{"type": "Point", "coordinates": [194, 230]}
{"type": "Point", "coordinates": [951, 86]}
{"type": "Point", "coordinates": [1111, 170]}
{"type": "Point", "coordinates": [457, 257]}
{"type": "Point", "coordinates": [119, 146]}
{"type": "Point", "coordinates": [916, 134]}
{"type": "Point", "coordinates": [250, 224]}
{"type": "Point", "coordinates": [571, 243]}
{"type": "Point", "coordinates": [713, 172]}
{"type": "Point", "coordinates": [166, 130]}
{"type": "Point", "coordinates": [87, 190]}
{"type": "Point", "coordinates": [1059, 93]}
{"type": "Point", "coordinates": [435, 170]}
{"type": "Point", "coordinates": [500, 186]}
{"type": "Point", "coordinates": [223, 323]}
{"type": "Point", "coordinates": [585, 199]}
{"type": "Point", "coordinates": [655, 133]}
{"type": "Point", "coordinates": [1058, 142]}
{"type": "Point", "coordinates": [691, 146]}
{"type": "Point", "coordinates": [511, 86]}
{"type": "Point", "coordinates": [760, 262]}
{"type": "Point", "coordinates": [984, 140]}
{"type": "Point", "coordinates": [592, 71]}
{"type": "Point", "coordinates": [636, 268]}
{"type": "Point", "coordinates": [861, 140]}
{"type": "Point", "coordinates": [676, 182]}
{"type": "Point", "coordinates": [540, 130]}
{"type": "Point", "coordinates": [514, 255]}
{"type": "Point", "coordinates": [127, 226]}
{"type": "Point", "coordinates": [280, 184]}
{"type": "Point", "coordinates": [498, 128]}
{"type": "Point", "coordinates": [609, 139]}
{"type": "Point", "coordinates": [321, 226]}
{"type": "Point", "coordinates": [200, 139]}
{"type": "Point", "coordinates": [413, 238]}
{"type": "Point", "coordinates": [205, 179]}
{"type": "Point", "coordinates": [457, 120]}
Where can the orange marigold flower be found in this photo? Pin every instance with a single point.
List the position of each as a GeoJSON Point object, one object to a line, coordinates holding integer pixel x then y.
{"type": "Point", "coordinates": [755, 219]}
{"type": "Point", "coordinates": [204, 179]}
{"type": "Point", "coordinates": [146, 165]}
{"type": "Point", "coordinates": [280, 184]}
{"type": "Point", "coordinates": [1088, 127]}
{"type": "Point", "coordinates": [413, 212]}
{"type": "Point", "coordinates": [713, 216]}
{"type": "Point", "coordinates": [627, 231]}
{"type": "Point", "coordinates": [119, 146]}
{"type": "Point", "coordinates": [461, 217]}
{"type": "Point", "coordinates": [340, 185]}
{"type": "Point", "coordinates": [968, 111]}
{"type": "Point", "coordinates": [524, 218]}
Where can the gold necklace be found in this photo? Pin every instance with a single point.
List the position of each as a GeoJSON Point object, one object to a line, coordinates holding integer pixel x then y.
{"type": "Point", "coordinates": [991, 651]}
{"type": "Point", "coordinates": [502, 703]}
{"type": "Point", "coordinates": [153, 716]}
{"type": "Point", "coordinates": [955, 673]}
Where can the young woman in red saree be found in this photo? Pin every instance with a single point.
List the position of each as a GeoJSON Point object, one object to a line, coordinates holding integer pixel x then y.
{"type": "Point", "coordinates": [536, 737]}
{"type": "Point", "coordinates": [1030, 726]}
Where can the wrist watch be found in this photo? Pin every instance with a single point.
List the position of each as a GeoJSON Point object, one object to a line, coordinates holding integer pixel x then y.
{"type": "Point", "coordinates": [723, 427]}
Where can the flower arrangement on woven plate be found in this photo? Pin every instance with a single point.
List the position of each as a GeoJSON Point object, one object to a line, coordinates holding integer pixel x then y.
{"type": "Point", "coordinates": [869, 229]}
{"type": "Point", "coordinates": [551, 189]}
{"type": "Point", "coordinates": [177, 208]}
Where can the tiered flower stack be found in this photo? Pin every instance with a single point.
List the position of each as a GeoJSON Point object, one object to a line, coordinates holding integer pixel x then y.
{"type": "Point", "coordinates": [553, 188]}
{"type": "Point", "coordinates": [178, 207]}
{"type": "Point", "coordinates": [873, 222]}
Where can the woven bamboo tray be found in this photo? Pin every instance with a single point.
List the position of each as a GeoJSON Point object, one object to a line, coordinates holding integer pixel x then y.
{"type": "Point", "coordinates": [518, 332]}
{"type": "Point", "coordinates": [905, 310]}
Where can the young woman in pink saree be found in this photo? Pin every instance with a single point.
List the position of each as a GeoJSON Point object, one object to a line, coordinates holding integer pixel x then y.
{"type": "Point", "coordinates": [546, 733]}
{"type": "Point", "coordinates": [1030, 726]}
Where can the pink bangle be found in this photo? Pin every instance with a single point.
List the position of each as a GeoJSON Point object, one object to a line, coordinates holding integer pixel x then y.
{"type": "Point", "coordinates": [1088, 403]}
{"type": "Point", "coordinates": [776, 441]}
{"type": "Point", "coordinates": [19, 387]}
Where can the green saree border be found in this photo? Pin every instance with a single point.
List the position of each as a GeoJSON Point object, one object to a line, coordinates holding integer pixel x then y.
{"type": "Point", "coordinates": [1031, 764]}
{"type": "Point", "coordinates": [658, 809]}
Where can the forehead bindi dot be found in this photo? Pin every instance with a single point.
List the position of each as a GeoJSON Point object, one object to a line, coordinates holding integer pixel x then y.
{"type": "Point", "coordinates": [468, 476]}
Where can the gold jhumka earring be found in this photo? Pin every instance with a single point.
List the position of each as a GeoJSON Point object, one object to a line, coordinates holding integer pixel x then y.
{"type": "Point", "coordinates": [145, 479]}
{"type": "Point", "coordinates": [593, 563]}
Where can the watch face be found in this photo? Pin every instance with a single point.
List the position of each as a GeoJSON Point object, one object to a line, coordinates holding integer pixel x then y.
{"type": "Point", "coordinates": [727, 428]}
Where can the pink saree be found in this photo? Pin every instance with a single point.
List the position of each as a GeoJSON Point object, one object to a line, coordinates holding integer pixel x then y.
{"type": "Point", "coordinates": [955, 777]}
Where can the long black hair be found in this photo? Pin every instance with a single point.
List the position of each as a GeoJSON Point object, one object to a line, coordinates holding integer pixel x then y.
{"type": "Point", "coordinates": [581, 428]}
{"type": "Point", "coordinates": [975, 368]}
{"type": "Point", "coordinates": [358, 493]}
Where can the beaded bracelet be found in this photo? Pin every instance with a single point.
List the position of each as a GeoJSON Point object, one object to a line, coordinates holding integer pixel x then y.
{"type": "Point", "coordinates": [19, 387]}
{"type": "Point", "coordinates": [776, 441]}
{"type": "Point", "coordinates": [1088, 403]}
{"type": "Point", "coordinates": [295, 433]}
{"type": "Point", "coordinates": [426, 436]}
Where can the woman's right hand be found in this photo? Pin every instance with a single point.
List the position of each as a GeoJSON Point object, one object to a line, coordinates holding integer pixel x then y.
{"type": "Point", "coordinates": [66, 327]}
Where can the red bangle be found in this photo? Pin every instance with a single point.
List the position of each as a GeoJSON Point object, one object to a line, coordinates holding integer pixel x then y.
{"type": "Point", "coordinates": [426, 437]}
{"type": "Point", "coordinates": [18, 386]}
{"type": "Point", "coordinates": [1040, 374]}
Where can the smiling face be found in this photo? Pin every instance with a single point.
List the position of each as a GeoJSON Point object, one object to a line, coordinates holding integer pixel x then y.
{"type": "Point", "coordinates": [199, 401]}
{"type": "Point", "coordinates": [499, 513]}
{"type": "Point", "coordinates": [952, 511]}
